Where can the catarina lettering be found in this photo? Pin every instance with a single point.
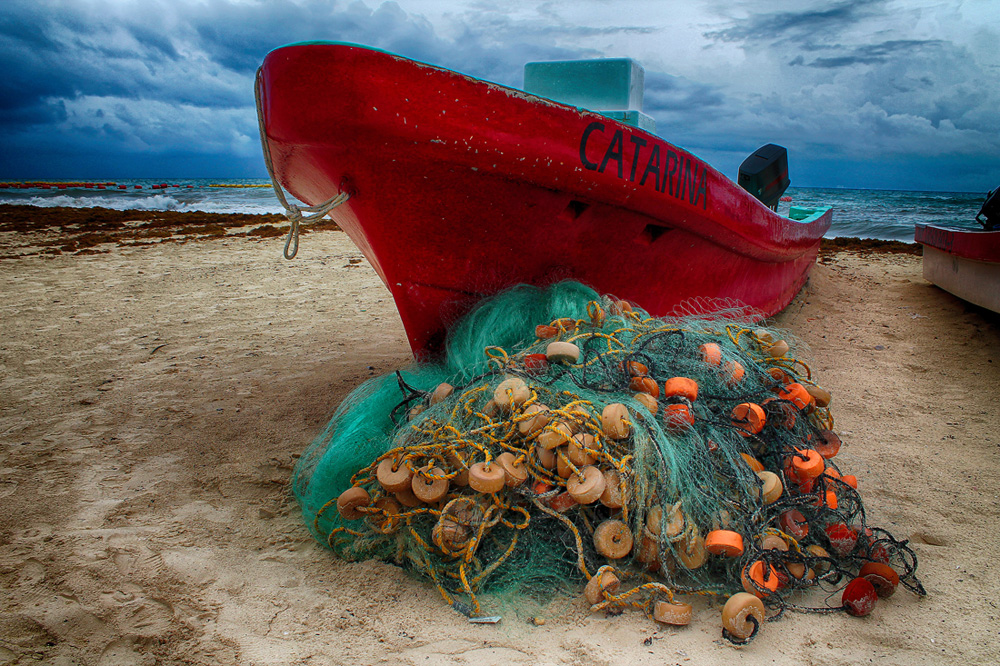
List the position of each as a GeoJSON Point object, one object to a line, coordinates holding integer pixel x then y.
{"type": "Point", "coordinates": [654, 164]}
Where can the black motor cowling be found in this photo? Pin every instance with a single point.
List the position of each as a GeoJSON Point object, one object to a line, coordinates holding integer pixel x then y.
{"type": "Point", "coordinates": [989, 214]}
{"type": "Point", "coordinates": [765, 174]}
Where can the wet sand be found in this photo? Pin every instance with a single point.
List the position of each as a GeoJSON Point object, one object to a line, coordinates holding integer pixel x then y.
{"type": "Point", "coordinates": [159, 377]}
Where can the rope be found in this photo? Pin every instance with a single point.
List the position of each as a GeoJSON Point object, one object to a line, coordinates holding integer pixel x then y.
{"type": "Point", "coordinates": [292, 211]}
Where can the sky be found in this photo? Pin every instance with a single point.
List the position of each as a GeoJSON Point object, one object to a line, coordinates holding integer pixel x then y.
{"type": "Point", "coordinates": [875, 94]}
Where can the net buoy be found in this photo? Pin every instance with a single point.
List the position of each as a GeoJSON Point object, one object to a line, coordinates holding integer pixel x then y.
{"type": "Point", "coordinates": [562, 352]}
{"type": "Point", "coordinates": [724, 542]}
{"type": "Point", "coordinates": [859, 597]}
{"type": "Point", "coordinates": [485, 479]}
{"type": "Point", "coordinates": [883, 578]}
{"type": "Point", "coordinates": [429, 490]}
{"type": "Point", "coordinates": [588, 489]}
{"type": "Point", "coordinates": [681, 387]}
{"type": "Point", "coordinates": [673, 613]}
{"type": "Point", "coordinates": [511, 393]}
{"type": "Point", "coordinates": [534, 418]}
{"type": "Point", "coordinates": [602, 581]}
{"type": "Point", "coordinates": [615, 421]}
{"type": "Point", "coordinates": [613, 539]}
{"type": "Point", "coordinates": [741, 617]}
{"type": "Point", "coordinates": [351, 500]}
{"type": "Point", "coordinates": [394, 475]}
{"type": "Point", "coordinates": [515, 473]}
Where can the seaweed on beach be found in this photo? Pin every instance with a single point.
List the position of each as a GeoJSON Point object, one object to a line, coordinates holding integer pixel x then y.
{"type": "Point", "coordinates": [39, 231]}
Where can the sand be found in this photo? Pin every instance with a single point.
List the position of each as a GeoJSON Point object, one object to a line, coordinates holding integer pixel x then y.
{"type": "Point", "coordinates": [155, 392]}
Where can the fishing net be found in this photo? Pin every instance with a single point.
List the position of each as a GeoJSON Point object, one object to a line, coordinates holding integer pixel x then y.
{"type": "Point", "coordinates": [570, 439]}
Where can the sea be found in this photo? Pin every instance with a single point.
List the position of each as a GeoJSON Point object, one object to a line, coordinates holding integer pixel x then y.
{"type": "Point", "coordinates": [880, 214]}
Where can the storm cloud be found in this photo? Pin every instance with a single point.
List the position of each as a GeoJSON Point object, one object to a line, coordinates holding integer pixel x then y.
{"type": "Point", "coordinates": [121, 88]}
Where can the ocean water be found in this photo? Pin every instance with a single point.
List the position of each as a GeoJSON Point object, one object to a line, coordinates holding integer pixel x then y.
{"type": "Point", "coordinates": [882, 214]}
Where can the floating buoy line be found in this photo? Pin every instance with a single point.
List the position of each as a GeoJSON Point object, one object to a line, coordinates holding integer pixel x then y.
{"type": "Point", "coordinates": [650, 462]}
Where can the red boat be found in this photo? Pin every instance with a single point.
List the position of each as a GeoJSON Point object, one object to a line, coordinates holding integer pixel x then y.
{"type": "Point", "coordinates": [457, 188]}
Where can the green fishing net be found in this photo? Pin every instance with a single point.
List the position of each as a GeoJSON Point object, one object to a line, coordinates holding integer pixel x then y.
{"type": "Point", "coordinates": [569, 437]}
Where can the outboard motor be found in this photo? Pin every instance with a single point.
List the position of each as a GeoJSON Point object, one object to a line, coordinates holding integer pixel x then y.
{"type": "Point", "coordinates": [765, 174]}
{"type": "Point", "coordinates": [990, 211]}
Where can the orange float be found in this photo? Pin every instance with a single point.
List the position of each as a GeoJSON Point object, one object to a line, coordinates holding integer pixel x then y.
{"type": "Point", "coordinates": [384, 518]}
{"type": "Point", "coordinates": [883, 578]}
{"type": "Point", "coordinates": [485, 478]}
{"type": "Point", "coordinates": [765, 578]}
{"type": "Point", "coordinates": [613, 539]}
{"type": "Point", "coordinates": [601, 582]}
{"type": "Point", "coordinates": [681, 387]}
{"type": "Point", "coordinates": [554, 435]}
{"type": "Point", "coordinates": [828, 444]}
{"type": "Point", "coordinates": [647, 401]}
{"type": "Point", "coordinates": [394, 475]}
{"type": "Point", "coordinates": [351, 500]}
{"type": "Point", "coordinates": [407, 498]}
{"type": "Point", "coordinates": [819, 566]}
{"type": "Point", "coordinates": [677, 418]}
{"type": "Point", "coordinates": [748, 417]}
{"type": "Point", "coordinates": [842, 538]}
{"type": "Point", "coordinates": [794, 523]}
{"type": "Point", "coordinates": [781, 412]}
{"type": "Point", "coordinates": [673, 613]}
{"type": "Point", "coordinates": [545, 332]}
{"type": "Point", "coordinates": [511, 393]}
{"type": "Point", "coordinates": [754, 464]}
{"type": "Point", "coordinates": [796, 394]}
{"type": "Point", "coordinates": [820, 395]}
{"type": "Point", "coordinates": [615, 421]}
{"type": "Point", "coordinates": [546, 457]}
{"type": "Point", "coordinates": [562, 502]}
{"type": "Point", "coordinates": [778, 349]}
{"type": "Point", "coordinates": [724, 542]}
{"type": "Point", "coordinates": [515, 473]}
{"type": "Point", "coordinates": [587, 486]}
{"type": "Point", "coordinates": [859, 597]}
{"type": "Point", "coordinates": [692, 553]}
{"type": "Point", "coordinates": [733, 372]}
{"type": "Point", "coordinates": [635, 369]}
{"type": "Point", "coordinates": [807, 464]}
{"type": "Point", "coordinates": [779, 374]}
{"type": "Point", "coordinates": [612, 495]}
{"type": "Point", "coordinates": [577, 449]}
{"type": "Point", "coordinates": [534, 418]}
{"type": "Point", "coordinates": [772, 487]}
{"type": "Point", "coordinates": [742, 616]}
{"type": "Point", "coordinates": [536, 364]}
{"type": "Point", "coordinates": [711, 353]}
{"type": "Point", "coordinates": [428, 489]}
{"type": "Point", "coordinates": [644, 385]}
{"type": "Point", "coordinates": [441, 393]}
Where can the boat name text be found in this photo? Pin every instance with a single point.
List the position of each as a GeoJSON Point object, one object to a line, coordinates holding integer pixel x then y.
{"type": "Point", "coordinates": [665, 169]}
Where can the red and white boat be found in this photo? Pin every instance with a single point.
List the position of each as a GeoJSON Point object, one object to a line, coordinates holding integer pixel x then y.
{"type": "Point", "coordinates": [459, 188]}
{"type": "Point", "coordinates": [964, 262]}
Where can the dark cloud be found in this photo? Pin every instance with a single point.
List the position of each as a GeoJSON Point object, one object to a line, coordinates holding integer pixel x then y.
{"type": "Point", "coordinates": [811, 25]}
{"type": "Point", "coordinates": [872, 54]}
{"type": "Point", "coordinates": [143, 85]}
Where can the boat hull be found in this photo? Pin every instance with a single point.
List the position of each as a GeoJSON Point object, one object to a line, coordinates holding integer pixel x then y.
{"type": "Point", "coordinates": [963, 262]}
{"type": "Point", "coordinates": [461, 188]}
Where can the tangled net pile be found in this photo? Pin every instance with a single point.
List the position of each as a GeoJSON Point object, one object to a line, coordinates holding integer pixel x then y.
{"type": "Point", "coordinates": [583, 441]}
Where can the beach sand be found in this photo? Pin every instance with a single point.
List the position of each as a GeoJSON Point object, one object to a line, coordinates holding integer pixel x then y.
{"type": "Point", "coordinates": [156, 389]}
